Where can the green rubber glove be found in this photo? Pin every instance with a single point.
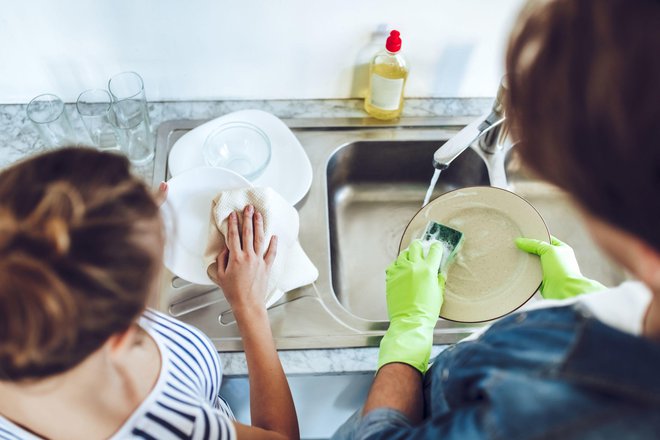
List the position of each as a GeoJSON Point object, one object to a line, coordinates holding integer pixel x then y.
{"type": "Point", "coordinates": [414, 298]}
{"type": "Point", "coordinates": [561, 274]}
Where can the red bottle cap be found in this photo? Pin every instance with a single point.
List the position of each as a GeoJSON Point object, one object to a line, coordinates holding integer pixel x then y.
{"type": "Point", "coordinates": [393, 43]}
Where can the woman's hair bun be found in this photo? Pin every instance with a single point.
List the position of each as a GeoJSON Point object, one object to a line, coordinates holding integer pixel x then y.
{"type": "Point", "coordinates": [49, 224]}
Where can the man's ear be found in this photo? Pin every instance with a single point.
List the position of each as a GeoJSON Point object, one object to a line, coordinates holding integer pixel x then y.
{"type": "Point", "coordinates": [641, 259]}
{"type": "Point", "coordinates": [648, 266]}
{"type": "Point", "coordinates": [121, 342]}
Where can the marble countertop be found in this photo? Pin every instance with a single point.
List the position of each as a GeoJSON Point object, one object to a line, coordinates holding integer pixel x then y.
{"type": "Point", "coordinates": [19, 139]}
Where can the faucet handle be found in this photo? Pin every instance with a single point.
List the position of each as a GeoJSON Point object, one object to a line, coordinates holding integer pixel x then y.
{"type": "Point", "coordinates": [497, 111]}
{"type": "Point", "coordinates": [500, 99]}
{"type": "Point", "coordinates": [494, 140]}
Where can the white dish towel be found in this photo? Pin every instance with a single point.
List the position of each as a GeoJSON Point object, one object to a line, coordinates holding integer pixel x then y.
{"type": "Point", "coordinates": [292, 267]}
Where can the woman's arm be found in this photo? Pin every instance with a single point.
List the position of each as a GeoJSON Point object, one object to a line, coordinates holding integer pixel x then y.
{"type": "Point", "coordinates": [243, 275]}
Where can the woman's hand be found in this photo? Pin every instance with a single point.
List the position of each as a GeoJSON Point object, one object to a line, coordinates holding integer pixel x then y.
{"type": "Point", "coordinates": [161, 193]}
{"type": "Point", "coordinates": [242, 269]}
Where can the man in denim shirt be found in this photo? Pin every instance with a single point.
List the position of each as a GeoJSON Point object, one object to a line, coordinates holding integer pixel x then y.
{"type": "Point", "coordinates": [584, 98]}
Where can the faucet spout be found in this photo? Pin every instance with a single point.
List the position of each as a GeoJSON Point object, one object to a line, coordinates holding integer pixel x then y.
{"type": "Point", "coordinates": [451, 149]}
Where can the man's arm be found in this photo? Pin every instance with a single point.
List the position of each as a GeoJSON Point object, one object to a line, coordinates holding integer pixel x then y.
{"type": "Point", "coordinates": [414, 298]}
{"type": "Point", "coordinates": [399, 387]}
{"type": "Point", "coordinates": [395, 406]}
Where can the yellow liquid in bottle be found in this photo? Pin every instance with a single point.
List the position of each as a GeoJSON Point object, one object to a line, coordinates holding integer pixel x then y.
{"type": "Point", "coordinates": [386, 72]}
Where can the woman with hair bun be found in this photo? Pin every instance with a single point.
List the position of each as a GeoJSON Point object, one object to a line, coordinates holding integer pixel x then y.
{"type": "Point", "coordinates": [81, 357]}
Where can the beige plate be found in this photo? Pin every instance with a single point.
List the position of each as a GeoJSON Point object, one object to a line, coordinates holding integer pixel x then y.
{"type": "Point", "coordinates": [490, 276]}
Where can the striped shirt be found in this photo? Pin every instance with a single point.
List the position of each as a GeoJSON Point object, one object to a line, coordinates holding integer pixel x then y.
{"type": "Point", "coordinates": [184, 403]}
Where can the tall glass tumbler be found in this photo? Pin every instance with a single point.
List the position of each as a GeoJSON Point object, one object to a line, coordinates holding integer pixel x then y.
{"type": "Point", "coordinates": [131, 117]}
{"type": "Point", "coordinates": [49, 117]}
{"type": "Point", "coordinates": [94, 108]}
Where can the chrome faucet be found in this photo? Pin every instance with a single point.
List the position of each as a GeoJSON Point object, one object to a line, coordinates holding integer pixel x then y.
{"type": "Point", "coordinates": [489, 130]}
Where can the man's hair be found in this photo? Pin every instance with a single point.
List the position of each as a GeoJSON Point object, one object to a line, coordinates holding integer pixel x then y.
{"type": "Point", "coordinates": [584, 99]}
{"type": "Point", "coordinates": [73, 270]}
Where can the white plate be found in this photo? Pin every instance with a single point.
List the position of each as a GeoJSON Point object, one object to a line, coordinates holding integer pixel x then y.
{"type": "Point", "coordinates": [289, 171]}
{"type": "Point", "coordinates": [491, 277]}
{"type": "Point", "coordinates": [187, 215]}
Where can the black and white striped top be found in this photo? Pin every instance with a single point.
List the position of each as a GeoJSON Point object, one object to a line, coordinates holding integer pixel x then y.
{"type": "Point", "coordinates": [184, 403]}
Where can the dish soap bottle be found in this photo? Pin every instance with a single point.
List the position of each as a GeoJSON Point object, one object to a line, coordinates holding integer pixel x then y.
{"type": "Point", "coordinates": [387, 77]}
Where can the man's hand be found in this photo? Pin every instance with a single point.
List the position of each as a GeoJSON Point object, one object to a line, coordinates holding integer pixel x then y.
{"type": "Point", "coordinates": [414, 298]}
{"type": "Point", "coordinates": [561, 274]}
{"type": "Point", "coordinates": [242, 269]}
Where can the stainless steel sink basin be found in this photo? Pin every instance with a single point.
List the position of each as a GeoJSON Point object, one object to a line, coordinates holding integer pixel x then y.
{"type": "Point", "coordinates": [374, 189]}
{"type": "Point", "coordinates": [369, 180]}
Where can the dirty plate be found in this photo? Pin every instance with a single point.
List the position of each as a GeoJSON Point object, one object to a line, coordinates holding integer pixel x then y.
{"type": "Point", "coordinates": [187, 215]}
{"type": "Point", "coordinates": [490, 277]}
{"type": "Point", "coordinates": [289, 171]}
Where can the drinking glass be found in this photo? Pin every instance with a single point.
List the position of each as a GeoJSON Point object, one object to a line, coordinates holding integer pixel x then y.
{"type": "Point", "coordinates": [94, 109]}
{"type": "Point", "coordinates": [51, 121]}
{"type": "Point", "coordinates": [130, 116]}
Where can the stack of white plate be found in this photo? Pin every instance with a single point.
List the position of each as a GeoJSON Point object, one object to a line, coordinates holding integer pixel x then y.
{"type": "Point", "coordinates": [194, 185]}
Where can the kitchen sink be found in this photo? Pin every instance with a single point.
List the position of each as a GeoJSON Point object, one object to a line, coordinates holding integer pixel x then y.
{"type": "Point", "coordinates": [369, 181]}
{"type": "Point", "coordinates": [374, 189]}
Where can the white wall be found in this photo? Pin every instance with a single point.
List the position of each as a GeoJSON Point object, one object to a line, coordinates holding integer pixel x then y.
{"type": "Point", "coordinates": [246, 49]}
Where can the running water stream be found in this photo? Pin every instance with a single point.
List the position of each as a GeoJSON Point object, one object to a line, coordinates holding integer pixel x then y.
{"type": "Point", "coordinates": [434, 180]}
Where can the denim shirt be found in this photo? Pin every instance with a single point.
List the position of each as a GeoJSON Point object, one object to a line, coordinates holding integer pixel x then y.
{"type": "Point", "coordinates": [554, 373]}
